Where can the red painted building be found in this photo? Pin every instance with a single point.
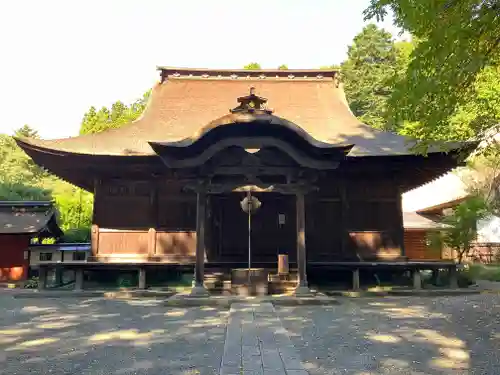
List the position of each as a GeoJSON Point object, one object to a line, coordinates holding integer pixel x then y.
{"type": "Point", "coordinates": [20, 222]}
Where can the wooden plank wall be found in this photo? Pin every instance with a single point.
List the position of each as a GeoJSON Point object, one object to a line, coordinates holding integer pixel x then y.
{"type": "Point", "coordinates": [348, 219]}
{"type": "Point", "coordinates": [345, 220]}
{"type": "Point", "coordinates": [416, 247]}
{"type": "Point", "coordinates": [143, 220]}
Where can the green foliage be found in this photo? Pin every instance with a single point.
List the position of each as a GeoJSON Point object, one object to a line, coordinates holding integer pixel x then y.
{"type": "Point", "coordinates": [75, 210]}
{"type": "Point", "coordinates": [26, 131]}
{"type": "Point", "coordinates": [484, 272]}
{"type": "Point", "coordinates": [76, 235]}
{"type": "Point", "coordinates": [369, 73]}
{"type": "Point", "coordinates": [482, 110]}
{"type": "Point", "coordinates": [283, 67]}
{"type": "Point", "coordinates": [95, 121]}
{"type": "Point", "coordinates": [481, 178]}
{"type": "Point", "coordinates": [31, 283]}
{"type": "Point", "coordinates": [17, 167]}
{"type": "Point", "coordinates": [252, 66]}
{"type": "Point", "coordinates": [15, 191]}
{"type": "Point", "coordinates": [22, 179]}
{"type": "Point", "coordinates": [457, 41]}
{"type": "Point", "coordinates": [461, 230]}
{"type": "Point", "coordinates": [330, 67]}
{"type": "Point", "coordinates": [480, 113]}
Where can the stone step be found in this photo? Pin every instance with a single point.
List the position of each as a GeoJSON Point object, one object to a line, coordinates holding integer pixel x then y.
{"type": "Point", "coordinates": [292, 276]}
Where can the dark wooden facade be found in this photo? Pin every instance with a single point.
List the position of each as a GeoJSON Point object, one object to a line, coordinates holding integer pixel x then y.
{"type": "Point", "coordinates": [158, 222]}
{"type": "Point", "coordinates": [168, 186]}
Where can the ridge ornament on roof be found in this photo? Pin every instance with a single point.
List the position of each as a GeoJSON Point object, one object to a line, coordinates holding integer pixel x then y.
{"type": "Point", "coordinates": [251, 103]}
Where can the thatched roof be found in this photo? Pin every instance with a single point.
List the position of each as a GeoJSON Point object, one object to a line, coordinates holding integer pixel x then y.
{"type": "Point", "coordinates": [186, 100]}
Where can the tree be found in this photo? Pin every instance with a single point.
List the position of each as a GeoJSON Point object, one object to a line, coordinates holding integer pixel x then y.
{"type": "Point", "coordinates": [283, 67]}
{"type": "Point", "coordinates": [75, 214]}
{"type": "Point", "coordinates": [22, 179]}
{"type": "Point", "coordinates": [330, 67]}
{"type": "Point", "coordinates": [369, 73]}
{"type": "Point", "coordinates": [457, 40]}
{"type": "Point", "coordinates": [19, 192]}
{"type": "Point", "coordinates": [16, 166]}
{"type": "Point", "coordinates": [482, 174]}
{"type": "Point", "coordinates": [461, 228]}
{"type": "Point", "coordinates": [252, 66]}
{"type": "Point", "coordinates": [26, 131]}
{"type": "Point", "coordinates": [120, 114]}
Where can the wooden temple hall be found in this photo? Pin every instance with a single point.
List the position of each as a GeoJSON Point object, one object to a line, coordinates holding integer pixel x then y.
{"type": "Point", "coordinates": [169, 186]}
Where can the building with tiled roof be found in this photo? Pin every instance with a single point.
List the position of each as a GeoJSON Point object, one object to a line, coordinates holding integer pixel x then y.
{"type": "Point", "coordinates": [19, 223]}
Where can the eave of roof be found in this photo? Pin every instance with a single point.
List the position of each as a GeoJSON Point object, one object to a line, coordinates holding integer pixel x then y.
{"type": "Point", "coordinates": [168, 70]}
{"type": "Point", "coordinates": [417, 221]}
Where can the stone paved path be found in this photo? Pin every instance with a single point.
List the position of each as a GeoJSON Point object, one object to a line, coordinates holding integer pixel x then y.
{"type": "Point", "coordinates": [257, 344]}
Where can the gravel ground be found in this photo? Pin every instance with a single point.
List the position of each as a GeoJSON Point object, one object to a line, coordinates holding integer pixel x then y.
{"type": "Point", "coordinates": [71, 336]}
{"type": "Point", "coordinates": [413, 335]}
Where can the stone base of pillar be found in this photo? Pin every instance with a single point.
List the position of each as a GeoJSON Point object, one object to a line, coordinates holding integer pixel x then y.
{"type": "Point", "coordinates": [417, 280]}
{"type": "Point", "coordinates": [142, 278]}
{"type": "Point", "coordinates": [42, 278]}
{"type": "Point", "coordinates": [302, 291]}
{"type": "Point", "coordinates": [199, 291]}
{"type": "Point", "coordinates": [355, 280]}
{"type": "Point", "coordinates": [453, 278]}
{"type": "Point", "coordinates": [78, 280]}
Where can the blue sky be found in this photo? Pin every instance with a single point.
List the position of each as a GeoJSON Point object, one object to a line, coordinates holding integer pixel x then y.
{"type": "Point", "coordinates": [59, 57]}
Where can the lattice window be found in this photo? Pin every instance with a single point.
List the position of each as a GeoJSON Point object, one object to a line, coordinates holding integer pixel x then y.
{"type": "Point", "coordinates": [45, 257]}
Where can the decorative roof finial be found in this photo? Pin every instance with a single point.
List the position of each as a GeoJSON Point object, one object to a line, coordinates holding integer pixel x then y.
{"type": "Point", "coordinates": [251, 103]}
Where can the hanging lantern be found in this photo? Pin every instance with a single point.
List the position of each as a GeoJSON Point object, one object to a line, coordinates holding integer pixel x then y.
{"type": "Point", "coordinates": [250, 204]}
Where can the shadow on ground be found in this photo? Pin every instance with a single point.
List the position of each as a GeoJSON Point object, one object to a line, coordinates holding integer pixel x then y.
{"type": "Point", "coordinates": [392, 335]}
{"type": "Point", "coordinates": [97, 336]}
{"type": "Point", "coordinates": [415, 335]}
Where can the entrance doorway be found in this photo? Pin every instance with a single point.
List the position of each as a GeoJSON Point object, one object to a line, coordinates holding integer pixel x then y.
{"type": "Point", "coordinates": [273, 228]}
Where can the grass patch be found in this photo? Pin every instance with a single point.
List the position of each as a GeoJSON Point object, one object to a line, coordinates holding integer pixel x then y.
{"type": "Point", "coordinates": [484, 272]}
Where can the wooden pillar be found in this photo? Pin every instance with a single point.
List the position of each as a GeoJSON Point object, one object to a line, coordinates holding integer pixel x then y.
{"type": "Point", "coordinates": [142, 278]}
{"type": "Point", "coordinates": [152, 242]}
{"type": "Point", "coordinates": [42, 277]}
{"type": "Point", "coordinates": [78, 279]}
{"type": "Point", "coordinates": [344, 210]}
{"type": "Point", "coordinates": [199, 269]}
{"type": "Point", "coordinates": [94, 239]}
{"type": "Point", "coordinates": [400, 227]}
{"type": "Point", "coordinates": [417, 279]}
{"type": "Point", "coordinates": [94, 230]}
{"type": "Point", "coordinates": [355, 279]}
{"type": "Point", "coordinates": [302, 287]}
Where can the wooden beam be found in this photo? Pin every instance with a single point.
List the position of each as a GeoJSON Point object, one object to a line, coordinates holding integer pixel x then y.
{"type": "Point", "coordinates": [401, 228]}
{"type": "Point", "coordinates": [237, 187]}
{"type": "Point", "coordinates": [302, 286]}
{"type": "Point", "coordinates": [199, 269]}
{"type": "Point", "coordinates": [94, 239]}
{"type": "Point", "coordinates": [344, 210]}
{"type": "Point", "coordinates": [152, 241]}
{"type": "Point", "coordinates": [153, 204]}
